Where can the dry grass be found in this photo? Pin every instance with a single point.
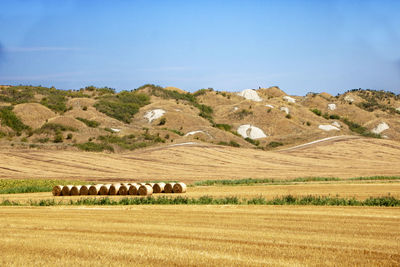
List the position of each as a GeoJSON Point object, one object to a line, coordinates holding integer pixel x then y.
{"type": "Point", "coordinates": [200, 235]}
{"type": "Point", "coordinates": [338, 158]}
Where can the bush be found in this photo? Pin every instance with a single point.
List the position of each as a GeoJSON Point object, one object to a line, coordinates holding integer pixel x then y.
{"type": "Point", "coordinates": [251, 141]}
{"type": "Point", "coordinates": [84, 108]}
{"type": "Point", "coordinates": [55, 127]}
{"type": "Point", "coordinates": [243, 113]}
{"type": "Point", "coordinates": [316, 111]}
{"type": "Point", "coordinates": [225, 127]}
{"type": "Point", "coordinates": [58, 138]}
{"type": "Point", "coordinates": [357, 128]}
{"type": "Point", "coordinates": [274, 144]}
{"type": "Point", "coordinates": [8, 118]}
{"type": "Point", "coordinates": [89, 123]}
{"type": "Point", "coordinates": [231, 143]}
{"type": "Point", "coordinates": [334, 117]}
{"type": "Point", "coordinates": [162, 121]}
{"type": "Point", "coordinates": [69, 136]}
{"type": "Point", "coordinates": [288, 116]}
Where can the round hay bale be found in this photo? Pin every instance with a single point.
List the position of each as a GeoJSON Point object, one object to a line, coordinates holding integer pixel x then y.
{"type": "Point", "coordinates": [169, 188]}
{"type": "Point", "coordinates": [151, 184]}
{"type": "Point", "coordinates": [84, 190]}
{"type": "Point", "coordinates": [66, 190]}
{"type": "Point", "coordinates": [123, 190]}
{"type": "Point", "coordinates": [104, 189]}
{"type": "Point", "coordinates": [57, 190]}
{"type": "Point", "coordinates": [145, 190]}
{"type": "Point", "coordinates": [179, 188]}
{"type": "Point", "coordinates": [141, 183]}
{"type": "Point", "coordinates": [133, 190]}
{"type": "Point", "coordinates": [95, 189]}
{"type": "Point", "coordinates": [114, 189]}
{"type": "Point", "coordinates": [75, 190]}
{"type": "Point", "coordinates": [158, 188]}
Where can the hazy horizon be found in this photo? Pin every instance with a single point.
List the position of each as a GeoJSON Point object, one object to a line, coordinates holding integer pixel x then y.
{"type": "Point", "coordinates": [300, 46]}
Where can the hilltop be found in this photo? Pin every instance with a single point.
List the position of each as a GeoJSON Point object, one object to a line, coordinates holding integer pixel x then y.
{"type": "Point", "coordinates": [101, 119]}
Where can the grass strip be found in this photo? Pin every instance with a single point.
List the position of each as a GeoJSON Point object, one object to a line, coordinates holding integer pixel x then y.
{"type": "Point", "coordinates": [384, 201]}
{"type": "Point", "coordinates": [14, 186]}
{"type": "Point", "coordinates": [252, 181]}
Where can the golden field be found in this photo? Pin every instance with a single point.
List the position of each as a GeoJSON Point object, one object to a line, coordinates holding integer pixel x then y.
{"type": "Point", "coordinates": [344, 157]}
{"type": "Point", "coordinates": [200, 235]}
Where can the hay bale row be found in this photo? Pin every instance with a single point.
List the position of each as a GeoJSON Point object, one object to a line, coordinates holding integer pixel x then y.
{"type": "Point", "coordinates": [142, 189]}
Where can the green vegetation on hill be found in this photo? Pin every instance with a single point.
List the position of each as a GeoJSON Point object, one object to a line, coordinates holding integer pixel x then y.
{"type": "Point", "coordinates": [357, 128]}
{"type": "Point", "coordinates": [54, 128]}
{"type": "Point", "coordinates": [89, 123]}
{"type": "Point", "coordinates": [205, 111]}
{"type": "Point", "coordinates": [8, 118]}
{"type": "Point", "coordinates": [122, 106]}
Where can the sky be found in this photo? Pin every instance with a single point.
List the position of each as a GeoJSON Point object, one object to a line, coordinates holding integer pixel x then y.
{"type": "Point", "coordinates": [300, 46]}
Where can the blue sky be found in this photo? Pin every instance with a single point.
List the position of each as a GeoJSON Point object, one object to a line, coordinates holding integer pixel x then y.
{"type": "Point", "coordinates": [301, 46]}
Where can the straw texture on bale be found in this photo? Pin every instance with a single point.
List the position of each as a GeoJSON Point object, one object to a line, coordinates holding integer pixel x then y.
{"type": "Point", "coordinates": [57, 190]}
{"type": "Point", "coordinates": [151, 184]}
{"type": "Point", "coordinates": [95, 189]}
{"type": "Point", "coordinates": [104, 189]}
{"type": "Point", "coordinates": [66, 190]}
{"type": "Point", "coordinates": [169, 188]}
{"type": "Point", "coordinates": [123, 190]}
{"type": "Point", "coordinates": [114, 189]}
{"type": "Point", "coordinates": [133, 190]}
{"type": "Point", "coordinates": [75, 190]}
{"type": "Point", "coordinates": [158, 188]}
{"type": "Point", "coordinates": [179, 188]}
{"type": "Point", "coordinates": [84, 190]}
{"type": "Point", "coordinates": [145, 190]}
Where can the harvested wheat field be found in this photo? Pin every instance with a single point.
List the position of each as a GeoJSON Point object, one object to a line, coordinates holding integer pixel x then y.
{"type": "Point", "coordinates": [339, 156]}
{"type": "Point", "coordinates": [200, 235]}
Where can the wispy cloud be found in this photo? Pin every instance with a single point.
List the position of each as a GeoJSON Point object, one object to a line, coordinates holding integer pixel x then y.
{"type": "Point", "coordinates": [171, 68]}
{"type": "Point", "coordinates": [41, 49]}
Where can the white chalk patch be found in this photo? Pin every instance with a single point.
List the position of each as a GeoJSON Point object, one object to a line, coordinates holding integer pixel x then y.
{"type": "Point", "coordinates": [328, 128]}
{"type": "Point", "coordinates": [380, 128]}
{"type": "Point", "coordinates": [115, 130]}
{"type": "Point", "coordinates": [289, 99]}
{"type": "Point", "coordinates": [349, 98]}
{"type": "Point", "coordinates": [331, 106]}
{"type": "Point", "coordinates": [398, 109]}
{"type": "Point", "coordinates": [270, 106]}
{"type": "Point", "coordinates": [285, 109]}
{"type": "Point", "coordinates": [235, 108]}
{"type": "Point", "coordinates": [250, 94]}
{"type": "Point", "coordinates": [154, 114]}
{"type": "Point", "coordinates": [194, 132]}
{"type": "Point", "coordinates": [250, 131]}
{"type": "Point", "coordinates": [336, 124]}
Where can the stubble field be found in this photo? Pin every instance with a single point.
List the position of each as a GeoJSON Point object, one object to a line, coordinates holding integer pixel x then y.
{"type": "Point", "coordinates": [209, 235]}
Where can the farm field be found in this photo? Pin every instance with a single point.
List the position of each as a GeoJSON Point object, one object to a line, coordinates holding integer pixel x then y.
{"type": "Point", "coordinates": [358, 190]}
{"type": "Point", "coordinates": [339, 157]}
{"type": "Point", "coordinates": [200, 235]}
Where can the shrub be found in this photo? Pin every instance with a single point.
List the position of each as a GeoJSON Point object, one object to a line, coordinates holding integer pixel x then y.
{"type": "Point", "coordinates": [243, 113]}
{"type": "Point", "coordinates": [231, 143]}
{"type": "Point", "coordinates": [162, 121]}
{"type": "Point", "coordinates": [89, 123]}
{"type": "Point", "coordinates": [58, 138]}
{"type": "Point", "coordinates": [251, 141]}
{"type": "Point", "coordinates": [334, 117]}
{"type": "Point", "coordinates": [274, 144]}
{"type": "Point", "coordinates": [316, 111]}
{"type": "Point", "coordinates": [84, 108]}
{"type": "Point", "coordinates": [308, 123]}
{"type": "Point", "coordinates": [69, 136]}
{"type": "Point", "coordinates": [357, 128]}
{"type": "Point", "coordinates": [225, 127]}
{"type": "Point", "coordinates": [288, 116]}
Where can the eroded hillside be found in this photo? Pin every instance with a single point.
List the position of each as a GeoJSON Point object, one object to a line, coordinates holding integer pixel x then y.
{"type": "Point", "coordinates": [100, 119]}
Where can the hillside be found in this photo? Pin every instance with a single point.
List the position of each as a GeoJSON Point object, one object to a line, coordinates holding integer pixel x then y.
{"type": "Point", "coordinates": [100, 119]}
